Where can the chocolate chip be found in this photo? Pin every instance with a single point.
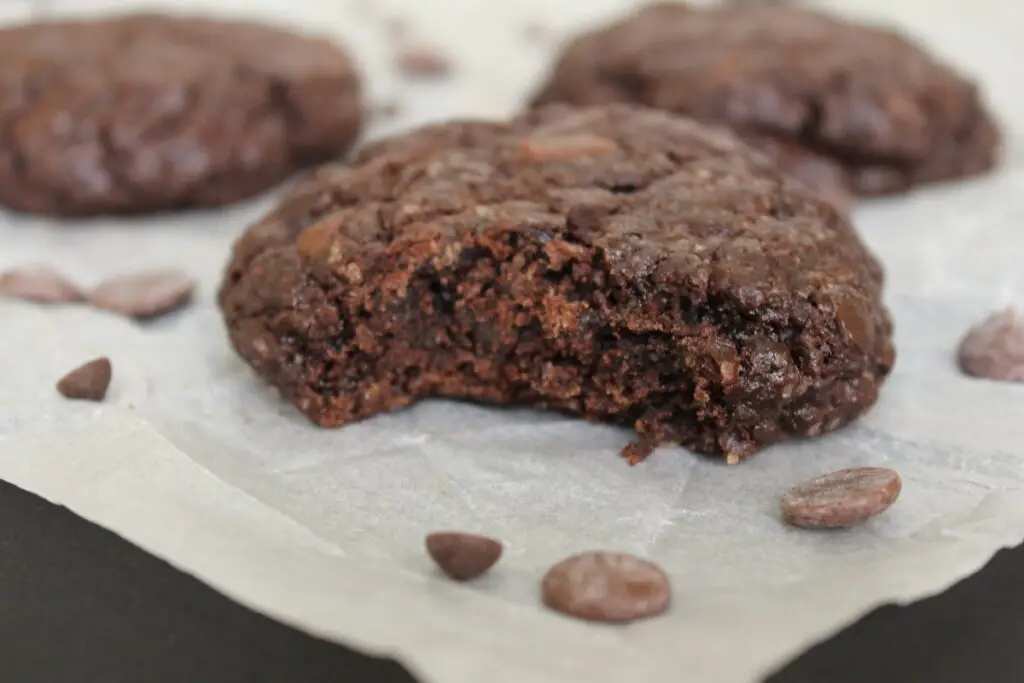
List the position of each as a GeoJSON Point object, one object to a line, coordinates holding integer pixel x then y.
{"type": "Point", "coordinates": [994, 348]}
{"type": "Point", "coordinates": [856, 322]}
{"type": "Point", "coordinates": [422, 61]}
{"type": "Point", "coordinates": [611, 587]}
{"type": "Point", "coordinates": [88, 382]}
{"type": "Point", "coordinates": [843, 498]}
{"type": "Point", "coordinates": [145, 294]}
{"type": "Point", "coordinates": [39, 284]}
{"type": "Point", "coordinates": [463, 556]}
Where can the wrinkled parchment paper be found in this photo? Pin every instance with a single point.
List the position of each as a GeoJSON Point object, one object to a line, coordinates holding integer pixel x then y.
{"type": "Point", "coordinates": [192, 459]}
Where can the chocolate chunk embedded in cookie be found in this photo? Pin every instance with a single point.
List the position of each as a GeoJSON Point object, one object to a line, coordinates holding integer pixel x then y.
{"type": "Point", "coordinates": [145, 113]}
{"type": "Point", "coordinates": [620, 263]}
{"type": "Point", "coordinates": [844, 107]}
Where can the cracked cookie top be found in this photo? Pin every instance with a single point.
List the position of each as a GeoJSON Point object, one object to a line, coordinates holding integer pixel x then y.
{"type": "Point", "coordinates": [663, 195]}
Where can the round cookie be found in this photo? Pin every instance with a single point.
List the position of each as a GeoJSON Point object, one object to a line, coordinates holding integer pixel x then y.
{"type": "Point", "coordinates": [145, 113]}
{"type": "Point", "coordinates": [619, 263]}
{"type": "Point", "coordinates": [844, 107]}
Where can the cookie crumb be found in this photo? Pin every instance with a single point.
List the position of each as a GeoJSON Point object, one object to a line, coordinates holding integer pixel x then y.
{"type": "Point", "coordinates": [841, 499]}
{"type": "Point", "coordinates": [607, 587]}
{"type": "Point", "coordinates": [422, 61]}
{"type": "Point", "coordinates": [39, 284]}
{"type": "Point", "coordinates": [994, 348]}
{"type": "Point", "coordinates": [145, 294]}
{"type": "Point", "coordinates": [88, 382]}
{"type": "Point", "coordinates": [636, 452]}
{"type": "Point", "coordinates": [462, 556]}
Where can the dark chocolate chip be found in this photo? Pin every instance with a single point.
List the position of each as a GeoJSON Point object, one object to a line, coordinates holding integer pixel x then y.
{"type": "Point", "coordinates": [88, 382]}
{"type": "Point", "coordinates": [463, 556]}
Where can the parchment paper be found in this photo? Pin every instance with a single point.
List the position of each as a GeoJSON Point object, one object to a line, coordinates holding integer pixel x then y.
{"type": "Point", "coordinates": [194, 460]}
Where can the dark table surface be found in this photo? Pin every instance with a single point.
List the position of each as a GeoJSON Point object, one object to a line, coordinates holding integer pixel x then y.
{"type": "Point", "coordinates": [80, 605]}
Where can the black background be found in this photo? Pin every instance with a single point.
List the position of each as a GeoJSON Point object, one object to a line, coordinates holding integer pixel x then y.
{"type": "Point", "coordinates": [80, 605]}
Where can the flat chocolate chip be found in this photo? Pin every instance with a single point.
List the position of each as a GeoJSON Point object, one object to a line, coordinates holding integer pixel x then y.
{"type": "Point", "coordinates": [994, 348]}
{"type": "Point", "coordinates": [88, 382]}
{"type": "Point", "coordinates": [610, 587]}
{"type": "Point", "coordinates": [841, 499]}
{"type": "Point", "coordinates": [39, 284]}
{"type": "Point", "coordinates": [144, 295]}
{"type": "Point", "coordinates": [463, 556]}
{"type": "Point", "coordinates": [422, 61]}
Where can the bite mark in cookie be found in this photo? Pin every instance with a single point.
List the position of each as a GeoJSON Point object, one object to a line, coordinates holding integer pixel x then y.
{"type": "Point", "coordinates": [660, 276]}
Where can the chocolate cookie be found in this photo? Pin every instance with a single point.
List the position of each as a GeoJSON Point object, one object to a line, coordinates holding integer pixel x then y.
{"type": "Point", "coordinates": [145, 112]}
{"type": "Point", "coordinates": [846, 108]}
{"type": "Point", "coordinates": [620, 263]}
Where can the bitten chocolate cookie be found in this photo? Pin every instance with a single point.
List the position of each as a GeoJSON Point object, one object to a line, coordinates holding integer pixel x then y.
{"type": "Point", "coordinates": [846, 108]}
{"type": "Point", "coordinates": [620, 263]}
{"type": "Point", "coordinates": [145, 113]}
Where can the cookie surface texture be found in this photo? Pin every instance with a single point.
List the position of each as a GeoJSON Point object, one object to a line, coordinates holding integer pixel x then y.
{"type": "Point", "coordinates": [145, 113]}
{"type": "Point", "coordinates": [849, 109]}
